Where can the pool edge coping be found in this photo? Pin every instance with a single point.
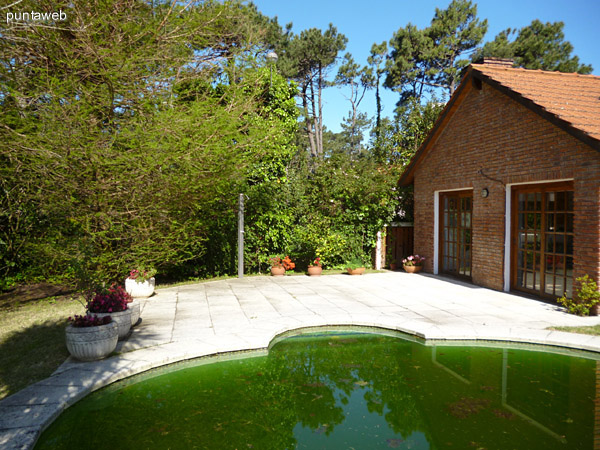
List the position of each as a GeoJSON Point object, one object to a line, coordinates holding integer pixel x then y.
{"type": "Point", "coordinates": [26, 437]}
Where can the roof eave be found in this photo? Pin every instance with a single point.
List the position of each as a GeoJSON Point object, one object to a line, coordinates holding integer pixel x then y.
{"type": "Point", "coordinates": [540, 110]}
{"type": "Point", "coordinates": [408, 176]}
{"type": "Point", "coordinates": [475, 75]}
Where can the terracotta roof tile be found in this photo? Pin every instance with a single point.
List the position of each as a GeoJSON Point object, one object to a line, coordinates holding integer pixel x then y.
{"type": "Point", "coordinates": [571, 97]}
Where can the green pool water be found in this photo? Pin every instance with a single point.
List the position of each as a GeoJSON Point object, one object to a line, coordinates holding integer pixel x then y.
{"type": "Point", "coordinates": [347, 391]}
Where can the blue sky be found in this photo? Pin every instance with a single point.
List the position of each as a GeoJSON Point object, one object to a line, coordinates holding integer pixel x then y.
{"type": "Point", "coordinates": [367, 22]}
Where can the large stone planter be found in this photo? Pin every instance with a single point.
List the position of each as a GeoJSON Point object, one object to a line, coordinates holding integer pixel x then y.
{"type": "Point", "coordinates": [139, 290]}
{"type": "Point", "coordinates": [92, 343]}
{"type": "Point", "coordinates": [135, 308]}
{"type": "Point", "coordinates": [122, 319]}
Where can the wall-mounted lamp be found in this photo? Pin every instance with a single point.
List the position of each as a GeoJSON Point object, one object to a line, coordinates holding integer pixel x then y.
{"type": "Point", "coordinates": [485, 192]}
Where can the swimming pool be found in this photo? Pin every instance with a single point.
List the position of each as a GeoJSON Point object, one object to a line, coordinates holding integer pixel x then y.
{"type": "Point", "coordinates": [347, 389]}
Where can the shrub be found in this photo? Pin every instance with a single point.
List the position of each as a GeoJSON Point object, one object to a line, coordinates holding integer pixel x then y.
{"type": "Point", "coordinates": [585, 298]}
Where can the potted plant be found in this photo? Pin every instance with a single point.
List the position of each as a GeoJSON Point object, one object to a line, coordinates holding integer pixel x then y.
{"type": "Point", "coordinates": [112, 302]}
{"type": "Point", "coordinates": [90, 338]}
{"type": "Point", "coordinates": [586, 300]}
{"type": "Point", "coordinates": [140, 282]}
{"type": "Point", "coordinates": [315, 269]}
{"type": "Point", "coordinates": [413, 263]}
{"type": "Point", "coordinates": [355, 266]}
{"type": "Point", "coordinates": [279, 266]}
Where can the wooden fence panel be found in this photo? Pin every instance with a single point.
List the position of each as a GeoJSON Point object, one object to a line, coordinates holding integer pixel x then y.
{"type": "Point", "coordinates": [399, 242]}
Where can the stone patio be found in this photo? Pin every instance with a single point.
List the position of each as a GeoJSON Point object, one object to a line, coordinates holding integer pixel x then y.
{"type": "Point", "coordinates": [217, 317]}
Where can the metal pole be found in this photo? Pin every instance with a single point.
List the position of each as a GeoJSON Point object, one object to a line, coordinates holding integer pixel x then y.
{"type": "Point", "coordinates": [241, 237]}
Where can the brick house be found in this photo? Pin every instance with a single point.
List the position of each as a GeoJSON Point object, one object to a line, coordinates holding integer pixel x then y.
{"type": "Point", "coordinates": [507, 183]}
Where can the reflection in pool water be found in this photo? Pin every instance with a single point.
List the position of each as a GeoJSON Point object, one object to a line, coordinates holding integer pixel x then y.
{"type": "Point", "coordinates": [344, 391]}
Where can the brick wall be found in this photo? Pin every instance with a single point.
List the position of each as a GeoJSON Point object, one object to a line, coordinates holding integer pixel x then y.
{"type": "Point", "coordinates": [491, 141]}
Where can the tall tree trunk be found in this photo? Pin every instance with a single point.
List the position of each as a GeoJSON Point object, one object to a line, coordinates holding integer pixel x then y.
{"type": "Point", "coordinates": [378, 103]}
{"type": "Point", "coordinates": [315, 122]}
{"type": "Point", "coordinates": [309, 125]}
{"type": "Point", "coordinates": [320, 117]}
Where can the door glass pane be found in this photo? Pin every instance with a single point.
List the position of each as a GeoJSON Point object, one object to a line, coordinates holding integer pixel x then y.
{"type": "Point", "coordinates": [559, 265]}
{"type": "Point", "coordinates": [549, 264]}
{"type": "Point", "coordinates": [550, 201]}
{"type": "Point", "coordinates": [559, 243]}
{"type": "Point", "coordinates": [529, 280]}
{"type": "Point", "coordinates": [549, 284]}
{"type": "Point", "coordinates": [550, 222]}
{"type": "Point", "coordinates": [560, 222]}
{"type": "Point", "coordinates": [530, 221]}
{"type": "Point", "coordinates": [522, 202]}
{"type": "Point", "coordinates": [530, 201]}
{"type": "Point", "coordinates": [529, 259]}
{"type": "Point", "coordinates": [569, 249]}
{"type": "Point", "coordinates": [538, 242]}
{"type": "Point", "coordinates": [569, 223]}
{"type": "Point", "coordinates": [561, 198]}
{"type": "Point", "coordinates": [550, 243]}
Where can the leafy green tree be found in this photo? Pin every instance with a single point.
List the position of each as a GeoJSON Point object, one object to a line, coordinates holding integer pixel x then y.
{"type": "Point", "coordinates": [358, 79]}
{"type": "Point", "coordinates": [345, 201]}
{"type": "Point", "coordinates": [307, 59]}
{"type": "Point", "coordinates": [422, 60]}
{"type": "Point", "coordinates": [536, 46]}
{"type": "Point", "coordinates": [353, 129]}
{"type": "Point", "coordinates": [128, 131]}
{"type": "Point", "coordinates": [377, 62]}
{"type": "Point", "coordinates": [415, 122]}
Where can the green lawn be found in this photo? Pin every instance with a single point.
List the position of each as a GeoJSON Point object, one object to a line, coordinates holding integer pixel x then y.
{"type": "Point", "coordinates": [594, 329]}
{"type": "Point", "coordinates": [32, 341]}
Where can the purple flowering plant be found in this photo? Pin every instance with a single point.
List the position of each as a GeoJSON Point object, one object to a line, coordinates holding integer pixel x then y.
{"type": "Point", "coordinates": [89, 321]}
{"type": "Point", "coordinates": [113, 299]}
{"type": "Point", "coordinates": [413, 260]}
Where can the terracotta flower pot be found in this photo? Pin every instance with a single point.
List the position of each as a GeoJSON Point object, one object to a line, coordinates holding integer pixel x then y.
{"type": "Point", "coordinates": [92, 343]}
{"type": "Point", "coordinates": [393, 266]}
{"type": "Point", "coordinates": [357, 271]}
{"type": "Point", "coordinates": [315, 271]}
{"type": "Point", "coordinates": [277, 271]}
{"type": "Point", "coordinates": [412, 269]}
